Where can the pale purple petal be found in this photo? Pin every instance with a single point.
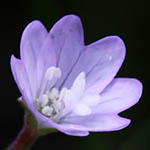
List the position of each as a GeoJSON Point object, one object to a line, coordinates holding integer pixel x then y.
{"type": "Point", "coordinates": [67, 37]}
{"type": "Point", "coordinates": [20, 76]}
{"type": "Point", "coordinates": [100, 61]}
{"type": "Point", "coordinates": [99, 122]}
{"type": "Point", "coordinates": [119, 95]}
{"type": "Point", "coordinates": [46, 59]}
{"type": "Point", "coordinates": [73, 130]}
{"type": "Point", "coordinates": [32, 39]}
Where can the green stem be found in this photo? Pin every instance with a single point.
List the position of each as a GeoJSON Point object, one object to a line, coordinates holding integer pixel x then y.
{"type": "Point", "coordinates": [30, 131]}
{"type": "Point", "coordinates": [26, 137]}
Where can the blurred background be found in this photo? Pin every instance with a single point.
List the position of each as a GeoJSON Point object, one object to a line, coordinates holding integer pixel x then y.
{"type": "Point", "coordinates": [127, 18]}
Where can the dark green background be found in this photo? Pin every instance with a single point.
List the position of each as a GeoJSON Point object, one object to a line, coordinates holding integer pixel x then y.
{"type": "Point", "coordinates": [129, 19]}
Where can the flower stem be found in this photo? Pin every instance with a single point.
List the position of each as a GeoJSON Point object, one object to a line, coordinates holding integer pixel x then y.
{"type": "Point", "coordinates": [26, 137]}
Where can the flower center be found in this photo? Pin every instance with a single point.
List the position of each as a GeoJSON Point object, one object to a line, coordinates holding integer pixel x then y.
{"type": "Point", "coordinates": [56, 104]}
{"type": "Point", "coordinates": [50, 103]}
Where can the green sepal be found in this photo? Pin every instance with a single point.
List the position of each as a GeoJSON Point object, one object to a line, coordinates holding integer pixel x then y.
{"type": "Point", "coordinates": [30, 118]}
{"type": "Point", "coordinates": [33, 122]}
{"type": "Point", "coordinates": [45, 131]}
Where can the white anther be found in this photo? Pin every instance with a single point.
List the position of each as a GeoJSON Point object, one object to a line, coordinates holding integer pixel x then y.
{"type": "Point", "coordinates": [44, 100]}
{"type": "Point", "coordinates": [52, 72]}
{"type": "Point", "coordinates": [47, 111]}
{"type": "Point", "coordinates": [57, 73]}
{"type": "Point", "coordinates": [53, 94]}
{"type": "Point", "coordinates": [57, 106]}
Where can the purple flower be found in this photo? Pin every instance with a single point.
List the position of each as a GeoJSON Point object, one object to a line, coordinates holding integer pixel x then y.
{"type": "Point", "coordinates": [70, 86]}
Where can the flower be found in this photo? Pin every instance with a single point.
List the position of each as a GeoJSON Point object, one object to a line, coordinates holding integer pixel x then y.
{"type": "Point", "coordinates": [70, 86]}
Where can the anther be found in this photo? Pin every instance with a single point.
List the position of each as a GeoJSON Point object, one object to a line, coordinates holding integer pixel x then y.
{"type": "Point", "coordinates": [47, 111]}
{"type": "Point", "coordinates": [52, 72]}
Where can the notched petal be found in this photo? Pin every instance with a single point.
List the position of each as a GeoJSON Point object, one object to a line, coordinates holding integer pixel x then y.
{"type": "Point", "coordinates": [99, 123]}
{"type": "Point", "coordinates": [67, 38]}
{"type": "Point", "coordinates": [20, 76]}
{"type": "Point", "coordinates": [100, 61]}
{"type": "Point", "coordinates": [32, 40]}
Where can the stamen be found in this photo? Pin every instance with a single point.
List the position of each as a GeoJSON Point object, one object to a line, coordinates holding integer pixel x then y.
{"type": "Point", "coordinates": [44, 101]}
{"type": "Point", "coordinates": [53, 95]}
{"type": "Point", "coordinates": [47, 111]}
{"type": "Point", "coordinates": [56, 104]}
{"type": "Point", "coordinates": [52, 72]}
{"type": "Point", "coordinates": [51, 76]}
{"type": "Point", "coordinates": [49, 104]}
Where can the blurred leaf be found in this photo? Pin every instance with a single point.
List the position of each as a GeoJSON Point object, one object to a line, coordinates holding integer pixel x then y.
{"type": "Point", "coordinates": [139, 139]}
{"type": "Point", "coordinates": [96, 141]}
{"type": "Point", "coordinates": [46, 11]}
